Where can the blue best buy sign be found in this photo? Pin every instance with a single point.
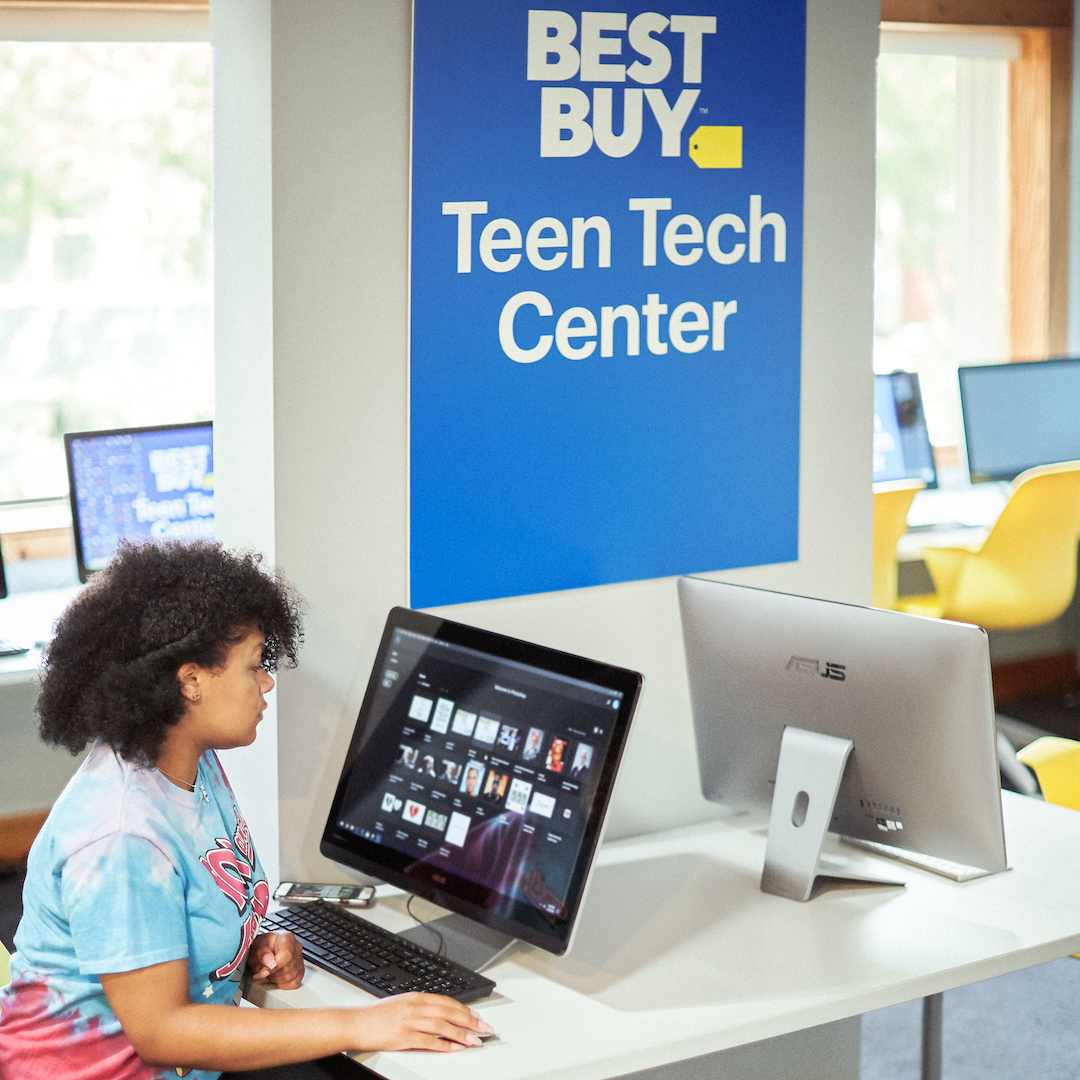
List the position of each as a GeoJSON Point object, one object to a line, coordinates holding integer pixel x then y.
{"type": "Point", "coordinates": [606, 292]}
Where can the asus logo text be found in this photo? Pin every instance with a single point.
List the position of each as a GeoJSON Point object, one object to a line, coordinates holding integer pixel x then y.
{"type": "Point", "coordinates": [805, 666]}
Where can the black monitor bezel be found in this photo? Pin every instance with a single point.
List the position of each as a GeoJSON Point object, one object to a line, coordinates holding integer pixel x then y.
{"type": "Point", "coordinates": [961, 376]}
{"type": "Point", "coordinates": [468, 898]}
{"type": "Point", "coordinates": [69, 437]}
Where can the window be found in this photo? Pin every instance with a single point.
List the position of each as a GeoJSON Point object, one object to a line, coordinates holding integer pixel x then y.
{"type": "Point", "coordinates": [941, 259]}
{"type": "Point", "coordinates": [105, 246]}
{"type": "Point", "coordinates": [972, 207]}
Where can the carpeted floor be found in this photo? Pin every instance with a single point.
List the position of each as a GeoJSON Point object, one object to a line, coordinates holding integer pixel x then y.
{"type": "Point", "coordinates": [1014, 1027]}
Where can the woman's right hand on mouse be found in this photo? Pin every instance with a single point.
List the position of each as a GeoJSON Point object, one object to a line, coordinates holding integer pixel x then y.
{"type": "Point", "coordinates": [418, 1022]}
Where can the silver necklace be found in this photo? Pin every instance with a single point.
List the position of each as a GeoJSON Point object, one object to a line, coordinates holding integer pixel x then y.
{"type": "Point", "coordinates": [185, 783]}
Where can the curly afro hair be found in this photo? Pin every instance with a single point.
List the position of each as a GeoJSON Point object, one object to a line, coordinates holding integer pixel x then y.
{"type": "Point", "coordinates": [110, 670]}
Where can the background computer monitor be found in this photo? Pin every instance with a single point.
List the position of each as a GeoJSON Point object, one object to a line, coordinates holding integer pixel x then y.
{"type": "Point", "coordinates": [902, 449]}
{"type": "Point", "coordinates": [145, 482]}
{"type": "Point", "coordinates": [1017, 416]}
{"type": "Point", "coordinates": [3, 577]}
{"type": "Point", "coordinates": [913, 694]}
{"type": "Point", "coordinates": [479, 774]}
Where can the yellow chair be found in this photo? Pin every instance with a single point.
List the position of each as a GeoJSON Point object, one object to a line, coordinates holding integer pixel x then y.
{"type": "Point", "coordinates": [5, 972]}
{"type": "Point", "coordinates": [1024, 573]}
{"type": "Point", "coordinates": [892, 500]}
{"type": "Point", "coordinates": [1056, 763]}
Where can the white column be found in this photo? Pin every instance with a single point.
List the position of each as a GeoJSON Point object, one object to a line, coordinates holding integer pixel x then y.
{"type": "Point", "coordinates": [312, 175]}
{"type": "Point", "coordinates": [244, 350]}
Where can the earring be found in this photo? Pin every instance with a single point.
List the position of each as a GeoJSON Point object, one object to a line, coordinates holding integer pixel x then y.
{"type": "Point", "coordinates": [195, 696]}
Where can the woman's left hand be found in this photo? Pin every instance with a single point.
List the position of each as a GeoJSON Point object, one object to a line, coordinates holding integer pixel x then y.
{"type": "Point", "coordinates": [277, 959]}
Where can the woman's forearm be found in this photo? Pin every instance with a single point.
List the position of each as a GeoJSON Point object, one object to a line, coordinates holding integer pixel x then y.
{"type": "Point", "coordinates": [167, 1028]}
{"type": "Point", "coordinates": [224, 1037]}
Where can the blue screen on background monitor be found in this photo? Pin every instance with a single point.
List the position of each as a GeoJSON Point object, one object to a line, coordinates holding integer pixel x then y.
{"type": "Point", "coordinates": [902, 449]}
{"type": "Point", "coordinates": [150, 482]}
{"type": "Point", "coordinates": [1017, 416]}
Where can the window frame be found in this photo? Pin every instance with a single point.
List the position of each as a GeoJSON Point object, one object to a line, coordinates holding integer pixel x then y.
{"type": "Point", "coordinates": [1040, 105]}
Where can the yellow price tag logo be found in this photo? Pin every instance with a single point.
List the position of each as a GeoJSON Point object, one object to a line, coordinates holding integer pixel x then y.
{"type": "Point", "coordinates": [716, 148]}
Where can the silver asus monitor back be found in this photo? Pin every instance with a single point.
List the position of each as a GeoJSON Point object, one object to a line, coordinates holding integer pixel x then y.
{"type": "Point", "coordinates": [913, 694]}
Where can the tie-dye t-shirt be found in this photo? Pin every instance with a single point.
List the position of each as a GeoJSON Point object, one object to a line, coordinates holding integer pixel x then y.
{"type": "Point", "coordinates": [128, 871]}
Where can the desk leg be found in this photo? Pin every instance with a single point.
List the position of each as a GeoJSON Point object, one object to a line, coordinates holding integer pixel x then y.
{"type": "Point", "coordinates": [931, 1037]}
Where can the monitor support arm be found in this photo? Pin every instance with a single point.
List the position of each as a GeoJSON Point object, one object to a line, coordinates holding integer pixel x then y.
{"type": "Point", "coordinates": [808, 777]}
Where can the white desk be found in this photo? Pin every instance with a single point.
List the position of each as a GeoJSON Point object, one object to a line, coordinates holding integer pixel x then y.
{"type": "Point", "coordinates": [912, 544]}
{"type": "Point", "coordinates": [27, 618]}
{"type": "Point", "coordinates": [31, 773]}
{"type": "Point", "coordinates": [680, 955]}
{"type": "Point", "coordinates": [970, 506]}
{"type": "Point", "coordinates": [951, 517]}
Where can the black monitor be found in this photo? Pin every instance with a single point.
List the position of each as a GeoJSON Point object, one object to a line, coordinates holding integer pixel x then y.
{"type": "Point", "coordinates": [912, 695]}
{"type": "Point", "coordinates": [1020, 415]}
{"type": "Point", "coordinates": [902, 449]}
{"type": "Point", "coordinates": [3, 577]}
{"type": "Point", "coordinates": [145, 482]}
{"type": "Point", "coordinates": [479, 774]}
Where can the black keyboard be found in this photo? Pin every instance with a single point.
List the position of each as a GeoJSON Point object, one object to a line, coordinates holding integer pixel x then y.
{"type": "Point", "coordinates": [372, 958]}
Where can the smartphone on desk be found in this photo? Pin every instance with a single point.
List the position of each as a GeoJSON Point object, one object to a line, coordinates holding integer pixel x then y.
{"type": "Point", "coordinates": [300, 892]}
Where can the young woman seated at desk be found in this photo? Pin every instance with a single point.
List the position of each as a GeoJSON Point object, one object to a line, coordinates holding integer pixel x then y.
{"type": "Point", "coordinates": [144, 894]}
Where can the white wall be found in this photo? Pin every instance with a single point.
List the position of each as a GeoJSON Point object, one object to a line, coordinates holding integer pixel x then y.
{"type": "Point", "coordinates": [313, 388]}
{"type": "Point", "coordinates": [33, 774]}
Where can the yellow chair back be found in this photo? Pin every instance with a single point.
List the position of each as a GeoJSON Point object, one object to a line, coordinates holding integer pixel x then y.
{"type": "Point", "coordinates": [892, 500]}
{"type": "Point", "coordinates": [1056, 763]}
{"type": "Point", "coordinates": [1025, 572]}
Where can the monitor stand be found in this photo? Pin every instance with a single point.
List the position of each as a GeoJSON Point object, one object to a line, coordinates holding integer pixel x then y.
{"type": "Point", "coordinates": [808, 777]}
{"type": "Point", "coordinates": [462, 940]}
